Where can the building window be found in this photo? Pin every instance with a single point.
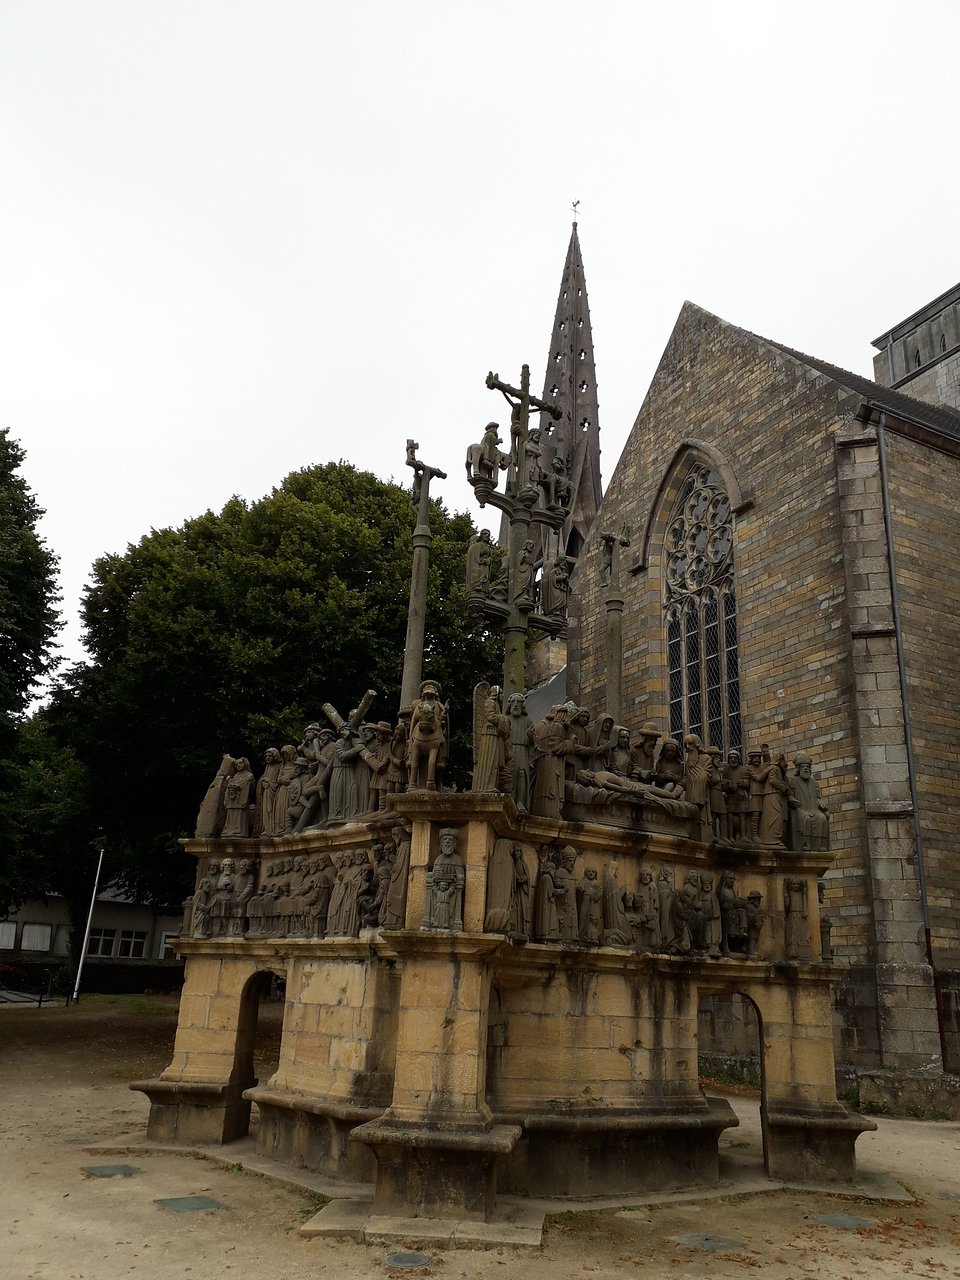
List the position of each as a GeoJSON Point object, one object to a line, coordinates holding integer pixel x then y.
{"type": "Point", "coordinates": [8, 935]}
{"type": "Point", "coordinates": [700, 614]}
{"type": "Point", "coordinates": [35, 937]}
{"type": "Point", "coordinates": [132, 942]}
{"type": "Point", "coordinates": [101, 942]}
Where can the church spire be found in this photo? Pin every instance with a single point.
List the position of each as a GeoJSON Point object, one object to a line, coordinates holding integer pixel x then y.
{"type": "Point", "coordinates": [571, 382]}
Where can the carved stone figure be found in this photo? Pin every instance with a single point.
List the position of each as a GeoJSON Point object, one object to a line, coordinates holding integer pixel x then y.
{"type": "Point", "coordinates": [646, 907]}
{"type": "Point", "coordinates": [397, 767]}
{"type": "Point", "coordinates": [580, 729]}
{"type": "Point", "coordinates": [603, 739]}
{"type": "Point", "coordinates": [591, 908]}
{"type": "Point", "coordinates": [484, 460]}
{"type": "Point", "coordinates": [755, 919]}
{"type": "Point", "coordinates": [555, 588]}
{"type": "Point", "coordinates": [479, 564]}
{"type": "Point", "coordinates": [616, 926]}
{"type": "Point", "coordinates": [546, 921]}
{"type": "Point", "coordinates": [236, 801]}
{"type": "Point", "coordinates": [316, 896]}
{"type": "Point", "coordinates": [268, 819]}
{"type": "Point", "coordinates": [520, 910]}
{"type": "Point", "coordinates": [521, 750]}
{"type": "Point", "coordinates": [696, 782]}
{"type": "Point", "coordinates": [733, 916]}
{"type": "Point", "coordinates": [345, 800]}
{"type": "Point", "coordinates": [212, 813]}
{"type": "Point", "coordinates": [315, 788]}
{"type": "Point", "coordinates": [394, 909]}
{"type": "Point", "coordinates": [553, 744]}
{"type": "Point", "coordinates": [773, 813]}
{"type": "Point", "coordinates": [736, 789]}
{"type": "Point", "coordinates": [557, 486]}
{"type": "Point", "coordinates": [445, 883]}
{"type": "Point", "coordinates": [826, 926]}
{"type": "Point", "coordinates": [715, 796]}
{"type": "Point", "coordinates": [530, 470]}
{"type": "Point", "coordinates": [221, 908]}
{"type": "Point", "coordinates": [296, 800]}
{"type": "Point", "coordinates": [523, 574]}
{"type": "Point", "coordinates": [669, 775]}
{"type": "Point", "coordinates": [202, 901]}
{"type": "Point", "coordinates": [491, 743]}
{"type": "Point", "coordinates": [710, 932]}
{"type": "Point", "coordinates": [808, 827]}
{"type": "Point", "coordinates": [756, 774]}
{"type": "Point", "coordinates": [796, 937]}
{"type": "Point", "coordinates": [343, 919]}
{"type": "Point", "coordinates": [643, 751]}
{"type": "Point", "coordinates": [691, 903]}
{"type": "Point", "coordinates": [665, 896]}
{"type": "Point", "coordinates": [565, 890]}
{"type": "Point", "coordinates": [621, 755]}
{"type": "Point", "coordinates": [426, 750]}
{"type": "Point", "coordinates": [377, 759]}
{"type": "Point", "coordinates": [500, 888]}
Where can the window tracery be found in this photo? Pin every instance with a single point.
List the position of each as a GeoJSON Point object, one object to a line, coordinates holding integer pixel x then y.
{"type": "Point", "coordinates": [700, 613]}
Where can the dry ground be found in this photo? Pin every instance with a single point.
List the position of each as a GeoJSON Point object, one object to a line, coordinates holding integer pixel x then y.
{"type": "Point", "coordinates": [63, 1076]}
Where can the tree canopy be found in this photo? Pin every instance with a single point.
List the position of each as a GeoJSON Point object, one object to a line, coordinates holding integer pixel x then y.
{"type": "Point", "coordinates": [227, 635]}
{"type": "Point", "coordinates": [28, 626]}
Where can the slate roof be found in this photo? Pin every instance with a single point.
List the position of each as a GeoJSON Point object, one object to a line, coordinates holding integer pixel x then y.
{"type": "Point", "coordinates": [936, 417]}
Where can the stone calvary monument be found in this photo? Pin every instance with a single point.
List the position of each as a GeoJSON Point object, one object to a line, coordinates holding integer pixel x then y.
{"type": "Point", "coordinates": [498, 989]}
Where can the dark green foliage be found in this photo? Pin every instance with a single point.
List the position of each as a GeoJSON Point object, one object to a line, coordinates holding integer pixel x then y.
{"type": "Point", "coordinates": [228, 634]}
{"type": "Point", "coordinates": [28, 627]}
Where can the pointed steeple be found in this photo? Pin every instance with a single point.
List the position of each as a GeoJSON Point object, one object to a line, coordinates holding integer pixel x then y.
{"type": "Point", "coordinates": [570, 382]}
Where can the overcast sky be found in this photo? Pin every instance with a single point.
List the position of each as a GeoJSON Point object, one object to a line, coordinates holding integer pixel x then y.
{"type": "Point", "coordinates": [240, 238]}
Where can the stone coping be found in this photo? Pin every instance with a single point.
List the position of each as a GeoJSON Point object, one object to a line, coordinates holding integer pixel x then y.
{"type": "Point", "coordinates": [294, 1100]}
{"type": "Point", "coordinates": [499, 1139]}
{"type": "Point", "coordinates": [500, 812]}
{"type": "Point", "coordinates": [823, 1119]}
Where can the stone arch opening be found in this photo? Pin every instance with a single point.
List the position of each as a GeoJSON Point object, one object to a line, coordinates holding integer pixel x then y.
{"type": "Point", "coordinates": [730, 1062]}
{"type": "Point", "coordinates": [259, 1033]}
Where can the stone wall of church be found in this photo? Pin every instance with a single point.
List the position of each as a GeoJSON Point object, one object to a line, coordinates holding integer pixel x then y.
{"type": "Point", "coordinates": [772, 420]}
{"type": "Point", "coordinates": [926, 521]}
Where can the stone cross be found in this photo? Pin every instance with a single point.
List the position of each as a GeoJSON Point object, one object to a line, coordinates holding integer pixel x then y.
{"type": "Point", "coordinates": [417, 612]}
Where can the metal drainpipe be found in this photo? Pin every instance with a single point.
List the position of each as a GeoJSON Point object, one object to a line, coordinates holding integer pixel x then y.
{"type": "Point", "coordinates": [907, 732]}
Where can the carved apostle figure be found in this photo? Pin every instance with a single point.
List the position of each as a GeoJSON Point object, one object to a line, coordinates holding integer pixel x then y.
{"type": "Point", "coordinates": [755, 919]}
{"type": "Point", "coordinates": [445, 883]}
{"type": "Point", "coordinates": [669, 775]}
{"type": "Point", "coordinates": [270, 822]}
{"type": "Point", "coordinates": [565, 888]}
{"type": "Point", "coordinates": [523, 574]}
{"type": "Point", "coordinates": [343, 919]}
{"type": "Point", "coordinates": [394, 909]}
{"type": "Point", "coordinates": [591, 908]}
{"type": "Point", "coordinates": [616, 926]}
{"type": "Point", "coordinates": [500, 888]}
{"type": "Point", "coordinates": [711, 933]}
{"type": "Point", "coordinates": [808, 825]}
{"type": "Point", "coordinates": [202, 900]}
{"type": "Point", "coordinates": [733, 915]}
{"type": "Point", "coordinates": [555, 588]}
{"type": "Point", "coordinates": [756, 775]}
{"type": "Point", "coordinates": [736, 789]}
{"type": "Point", "coordinates": [696, 784]}
{"type": "Point", "coordinates": [236, 801]}
{"type": "Point", "coordinates": [646, 907]}
{"type": "Point", "coordinates": [621, 755]}
{"type": "Point", "coordinates": [716, 799]}
{"type": "Point", "coordinates": [546, 921]}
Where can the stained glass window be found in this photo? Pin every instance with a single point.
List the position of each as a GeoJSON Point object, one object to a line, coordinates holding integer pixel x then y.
{"type": "Point", "coordinates": [700, 613]}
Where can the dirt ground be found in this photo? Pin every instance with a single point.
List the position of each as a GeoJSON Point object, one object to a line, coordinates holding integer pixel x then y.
{"type": "Point", "coordinates": [63, 1077]}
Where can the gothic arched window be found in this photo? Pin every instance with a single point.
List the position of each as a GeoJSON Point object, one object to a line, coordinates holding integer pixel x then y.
{"type": "Point", "coordinates": [700, 613]}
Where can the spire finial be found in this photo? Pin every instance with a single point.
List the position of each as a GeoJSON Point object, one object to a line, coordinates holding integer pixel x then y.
{"type": "Point", "coordinates": [574, 208]}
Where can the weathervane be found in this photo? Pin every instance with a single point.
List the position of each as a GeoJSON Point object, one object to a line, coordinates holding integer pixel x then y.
{"type": "Point", "coordinates": [574, 208]}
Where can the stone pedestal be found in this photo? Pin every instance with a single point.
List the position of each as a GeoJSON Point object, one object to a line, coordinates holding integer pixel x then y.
{"type": "Point", "coordinates": [195, 1113]}
{"type": "Point", "coordinates": [428, 1171]}
{"type": "Point", "coordinates": [808, 1145]}
{"type": "Point", "coordinates": [313, 1133]}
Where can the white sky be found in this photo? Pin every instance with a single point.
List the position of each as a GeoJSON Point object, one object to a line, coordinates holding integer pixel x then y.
{"type": "Point", "coordinates": [240, 238]}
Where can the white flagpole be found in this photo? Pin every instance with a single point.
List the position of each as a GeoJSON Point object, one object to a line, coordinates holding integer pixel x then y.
{"type": "Point", "coordinates": [86, 932]}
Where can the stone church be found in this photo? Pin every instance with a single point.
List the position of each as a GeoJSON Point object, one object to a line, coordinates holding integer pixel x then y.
{"type": "Point", "coordinates": [788, 582]}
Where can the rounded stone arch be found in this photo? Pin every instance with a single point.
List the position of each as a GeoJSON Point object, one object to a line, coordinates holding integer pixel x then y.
{"type": "Point", "coordinates": [686, 453]}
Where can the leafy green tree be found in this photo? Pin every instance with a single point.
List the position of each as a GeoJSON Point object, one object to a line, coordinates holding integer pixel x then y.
{"type": "Point", "coordinates": [228, 634]}
{"type": "Point", "coordinates": [28, 627]}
